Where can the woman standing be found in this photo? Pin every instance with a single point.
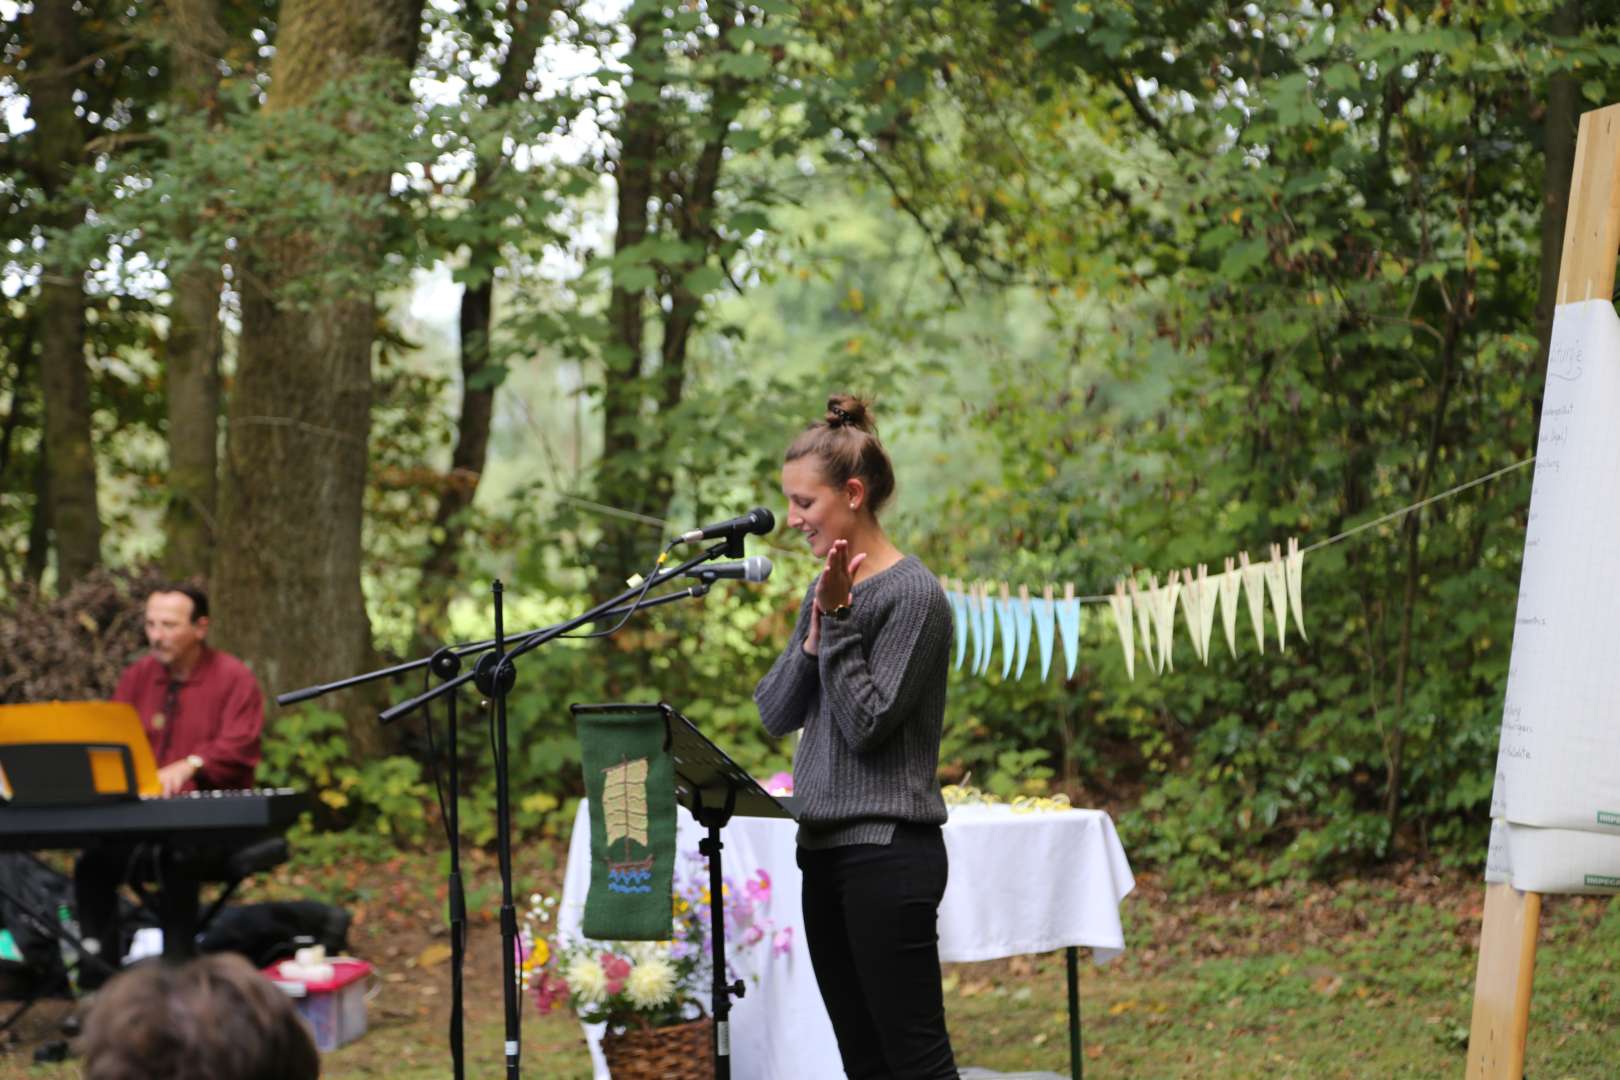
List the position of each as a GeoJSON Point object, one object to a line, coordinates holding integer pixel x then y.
{"type": "Point", "coordinates": [864, 677]}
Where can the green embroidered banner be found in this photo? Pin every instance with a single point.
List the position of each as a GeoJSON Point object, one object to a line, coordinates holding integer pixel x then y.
{"type": "Point", "coordinates": [630, 781]}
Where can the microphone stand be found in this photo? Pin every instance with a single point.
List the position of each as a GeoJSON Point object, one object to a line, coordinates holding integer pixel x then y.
{"type": "Point", "coordinates": [495, 675]}
{"type": "Point", "coordinates": [445, 663]}
{"type": "Point", "coordinates": [454, 653]}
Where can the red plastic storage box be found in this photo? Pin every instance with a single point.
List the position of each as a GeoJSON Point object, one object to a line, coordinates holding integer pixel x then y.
{"type": "Point", "coordinates": [335, 1008]}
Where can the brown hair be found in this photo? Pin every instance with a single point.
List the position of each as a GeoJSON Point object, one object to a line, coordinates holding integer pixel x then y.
{"type": "Point", "coordinates": [211, 1017]}
{"type": "Point", "coordinates": [188, 589]}
{"type": "Point", "coordinates": [845, 442]}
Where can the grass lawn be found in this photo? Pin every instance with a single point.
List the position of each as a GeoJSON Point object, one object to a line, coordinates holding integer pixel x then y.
{"type": "Point", "coordinates": [1366, 978]}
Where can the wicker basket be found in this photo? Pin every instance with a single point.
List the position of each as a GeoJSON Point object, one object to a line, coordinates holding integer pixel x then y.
{"type": "Point", "coordinates": [680, 1052]}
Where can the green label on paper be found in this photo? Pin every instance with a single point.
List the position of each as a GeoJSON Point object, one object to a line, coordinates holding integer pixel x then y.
{"type": "Point", "coordinates": [1602, 881]}
{"type": "Point", "coordinates": [1608, 817]}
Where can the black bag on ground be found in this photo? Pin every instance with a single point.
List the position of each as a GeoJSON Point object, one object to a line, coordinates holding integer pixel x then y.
{"type": "Point", "coordinates": [31, 892]}
{"type": "Point", "coordinates": [273, 930]}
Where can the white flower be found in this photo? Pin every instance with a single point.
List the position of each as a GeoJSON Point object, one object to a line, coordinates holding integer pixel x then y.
{"type": "Point", "coordinates": [639, 952]}
{"type": "Point", "coordinates": [587, 980]}
{"type": "Point", "coordinates": [652, 982]}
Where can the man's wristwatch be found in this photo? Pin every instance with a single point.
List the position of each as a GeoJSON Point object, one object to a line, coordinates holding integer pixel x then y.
{"type": "Point", "coordinates": [839, 612]}
{"type": "Point", "coordinates": [195, 761]}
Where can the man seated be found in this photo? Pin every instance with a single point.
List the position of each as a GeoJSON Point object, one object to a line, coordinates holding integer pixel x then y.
{"type": "Point", "coordinates": [203, 714]}
{"type": "Point", "coordinates": [201, 708]}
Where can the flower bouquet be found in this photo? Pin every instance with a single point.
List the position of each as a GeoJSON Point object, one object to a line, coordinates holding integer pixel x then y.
{"type": "Point", "coordinates": [652, 995]}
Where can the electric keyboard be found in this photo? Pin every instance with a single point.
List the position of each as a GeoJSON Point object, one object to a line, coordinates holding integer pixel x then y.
{"type": "Point", "coordinates": [199, 816]}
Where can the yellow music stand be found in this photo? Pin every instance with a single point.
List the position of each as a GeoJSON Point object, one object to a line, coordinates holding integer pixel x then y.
{"type": "Point", "coordinates": [65, 752]}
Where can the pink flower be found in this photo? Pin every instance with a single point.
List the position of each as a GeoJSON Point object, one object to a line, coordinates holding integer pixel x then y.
{"type": "Point", "coordinates": [617, 969]}
{"type": "Point", "coordinates": [550, 993]}
{"type": "Point", "coordinates": [782, 943]}
{"type": "Point", "coordinates": [780, 784]}
{"type": "Point", "coordinates": [759, 887]}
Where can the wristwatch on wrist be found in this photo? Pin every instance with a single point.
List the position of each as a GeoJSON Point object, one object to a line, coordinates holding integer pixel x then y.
{"type": "Point", "coordinates": [195, 761]}
{"type": "Point", "coordinates": [839, 612]}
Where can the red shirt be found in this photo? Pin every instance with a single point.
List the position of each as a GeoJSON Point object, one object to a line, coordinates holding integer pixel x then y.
{"type": "Point", "coordinates": [217, 713]}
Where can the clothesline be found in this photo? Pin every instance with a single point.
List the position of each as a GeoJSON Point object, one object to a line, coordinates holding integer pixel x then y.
{"type": "Point", "coordinates": [1101, 598]}
{"type": "Point", "coordinates": [1149, 608]}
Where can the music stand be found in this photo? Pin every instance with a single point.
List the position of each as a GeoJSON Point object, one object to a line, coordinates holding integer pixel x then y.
{"type": "Point", "coordinates": [713, 788]}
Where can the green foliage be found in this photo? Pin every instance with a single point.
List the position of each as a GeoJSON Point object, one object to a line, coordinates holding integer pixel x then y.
{"type": "Point", "coordinates": [1287, 261]}
{"type": "Point", "coordinates": [1135, 286]}
{"type": "Point", "coordinates": [307, 750]}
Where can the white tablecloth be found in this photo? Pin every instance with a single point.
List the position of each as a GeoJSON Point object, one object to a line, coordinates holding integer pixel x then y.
{"type": "Point", "coordinates": [1019, 883]}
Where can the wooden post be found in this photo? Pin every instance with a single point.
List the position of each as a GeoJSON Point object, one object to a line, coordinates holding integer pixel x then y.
{"type": "Point", "coordinates": [1507, 966]}
{"type": "Point", "coordinates": [1507, 944]}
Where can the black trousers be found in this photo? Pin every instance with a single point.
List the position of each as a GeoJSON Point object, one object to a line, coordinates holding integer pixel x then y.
{"type": "Point", "coordinates": [871, 914]}
{"type": "Point", "coordinates": [97, 874]}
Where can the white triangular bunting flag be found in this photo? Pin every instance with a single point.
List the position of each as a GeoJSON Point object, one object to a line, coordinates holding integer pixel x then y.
{"type": "Point", "coordinates": [1254, 586]}
{"type": "Point", "coordinates": [1164, 617]}
{"type": "Point", "coordinates": [1277, 586]}
{"type": "Point", "coordinates": [1121, 603]}
{"type": "Point", "coordinates": [1191, 609]}
{"type": "Point", "coordinates": [1231, 583]}
{"type": "Point", "coordinates": [1141, 603]}
{"type": "Point", "coordinates": [1207, 599]}
{"type": "Point", "coordinates": [1296, 584]}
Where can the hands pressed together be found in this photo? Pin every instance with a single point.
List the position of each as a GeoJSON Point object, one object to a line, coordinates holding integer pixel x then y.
{"type": "Point", "coordinates": [833, 589]}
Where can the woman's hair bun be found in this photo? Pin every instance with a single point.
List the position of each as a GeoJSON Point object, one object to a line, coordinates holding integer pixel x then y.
{"type": "Point", "coordinates": [845, 444]}
{"type": "Point", "coordinates": [843, 410]}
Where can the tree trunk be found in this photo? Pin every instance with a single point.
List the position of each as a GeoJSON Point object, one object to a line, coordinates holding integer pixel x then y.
{"type": "Point", "coordinates": [1558, 130]}
{"type": "Point", "coordinates": [625, 545]}
{"type": "Point", "coordinates": [64, 371]}
{"type": "Point", "coordinates": [195, 334]}
{"type": "Point", "coordinates": [637, 470]}
{"type": "Point", "coordinates": [477, 317]}
{"type": "Point", "coordinates": [287, 568]}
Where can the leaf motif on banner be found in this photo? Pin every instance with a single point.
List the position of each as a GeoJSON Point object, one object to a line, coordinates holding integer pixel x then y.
{"type": "Point", "coordinates": [624, 802]}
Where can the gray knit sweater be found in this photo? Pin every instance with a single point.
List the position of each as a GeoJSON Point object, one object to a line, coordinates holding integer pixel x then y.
{"type": "Point", "coordinates": [871, 704]}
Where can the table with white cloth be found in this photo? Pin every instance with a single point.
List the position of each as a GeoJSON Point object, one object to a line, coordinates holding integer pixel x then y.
{"type": "Point", "coordinates": [1019, 883]}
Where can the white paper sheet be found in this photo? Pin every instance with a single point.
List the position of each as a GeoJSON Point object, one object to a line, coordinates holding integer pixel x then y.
{"type": "Point", "coordinates": [1558, 760]}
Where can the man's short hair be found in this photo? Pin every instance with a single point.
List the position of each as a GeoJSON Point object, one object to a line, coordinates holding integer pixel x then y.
{"type": "Point", "coordinates": [199, 599]}
{"type": "Point", "coordinates": [211, 1017]}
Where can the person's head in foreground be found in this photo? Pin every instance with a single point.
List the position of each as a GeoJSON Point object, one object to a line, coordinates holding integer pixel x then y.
{"type": "Point", "coordinates": [212, 1018]}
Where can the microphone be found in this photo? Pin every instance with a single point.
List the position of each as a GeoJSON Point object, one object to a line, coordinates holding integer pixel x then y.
{"type": "Point", "coordinates": [753, 568]}
{"type": "Point", "coordinates": [758, 520]}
